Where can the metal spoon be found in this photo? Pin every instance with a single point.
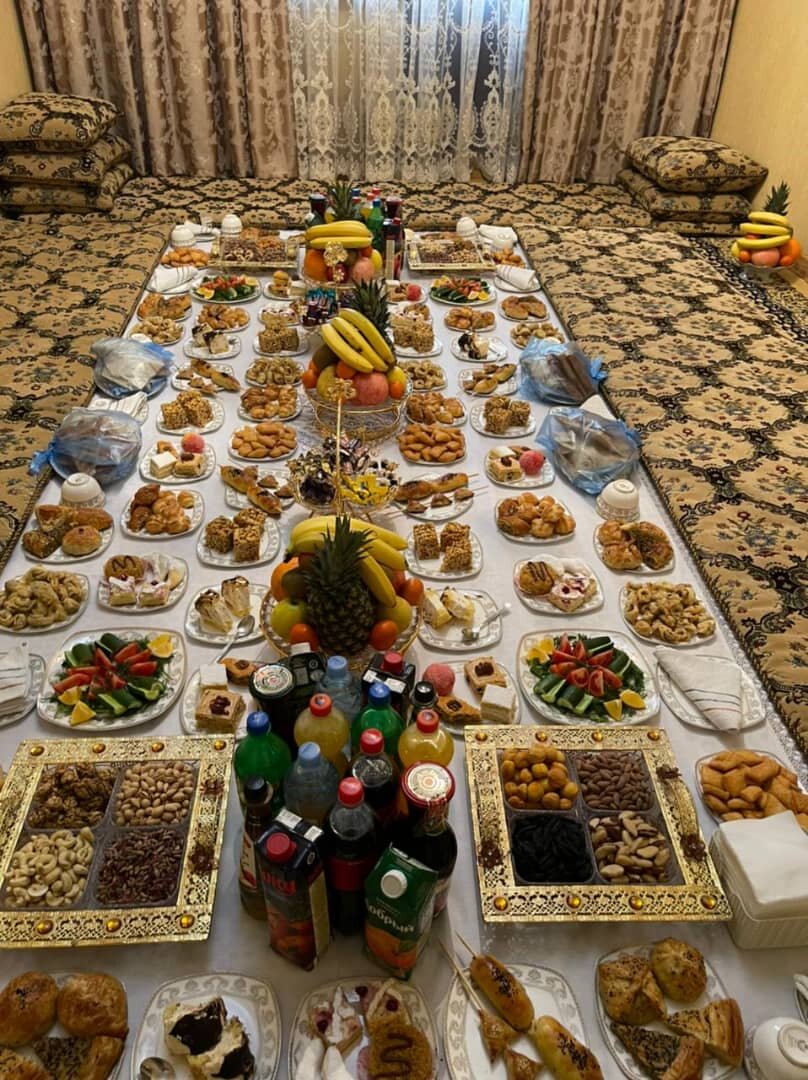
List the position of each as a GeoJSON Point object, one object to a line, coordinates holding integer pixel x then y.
{"type": "Point", "coordinates": [156, 1068]}
{"type": "Point", "coordinates": [472, 633]}
{"type": "Point", "coordinates": [243, 628]}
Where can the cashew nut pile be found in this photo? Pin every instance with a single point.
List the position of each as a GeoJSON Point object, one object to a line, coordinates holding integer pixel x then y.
{"type": "Point", "coordinates": [50, 870]}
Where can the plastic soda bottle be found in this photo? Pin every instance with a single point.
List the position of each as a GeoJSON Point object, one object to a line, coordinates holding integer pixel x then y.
{"type": "Point", "coordinates": [378, 775]}
{"type": "Point", "coordinates": [374, 222]}
{"type": "Point", "coordinates": [325, 725]}
{"type": "Point", "coordinates": [352, 847]}
{"type": "Point", "coordinates": [379, 714]}
{"type": "Point", "coordinates": [310, 787]}
{"type": "Point", "coordinates": [342, 686]}
{"type": "Point", "coordinates": [425, 740]}
{"type": "Point", "coordinates": [258, 797]}
{"type": "Point", "coordinates": [261, 754]}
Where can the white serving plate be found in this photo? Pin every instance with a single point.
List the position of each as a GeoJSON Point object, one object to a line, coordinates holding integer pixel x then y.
{"type": "Point", "coordinates": [440, 386]}
{"type": "Point", "coordinates": [476, 414]}
{"type": "Point", "coordinates": [283, 419]}
{"type": "Point", "coordinates": [239, 501]}
{"type": "Point", "coordinates": [467, 694]}
{"type": "Point", "coordinates": [644, 570]}
{"type": "Point", "coordinates": [296, 288]}
{"type": "Point", "coordinates": [545, 476]}
{"type": "Point", "coordinates": [184, 384]}
{"type": "Point", "coordinates": [188, 708]}
{"type": "Point", "coordinates": [559, 716]}
{"type": "Point", "coordinates": [105, 404]}
{"type": "Point", "coordinates": [543, 606]}
{"type": "Point", "coordinates": [252, 1001]}
{"type": "Point", "coordinates": [199, 352]}
{"type": "Point", "coordinates": [456, 330]}
{"type": "Point", "coordinates": [195, 513]}
{"type": "Point", "coordinates": [529, 318]}
{"type": "Point", "coordinates": [450, 636]}
{"type": "Point", "coordinates": [207, 470]}
{"type": "Point", "coordinates": [175, 671]}
{"type": "Point", "coordinates": [691, 643]}
{"type": "Point", "coordinates": [254, 382]}
{"type": "Point", "coordinates": [102, 595]}
{"type": "Point", "coordinates": [302, 346]}
{"type": "Point", "coordinates": [230, 329]}
{"type": "Point", "coordinates": [279, 307]}
{"type": "Point", "coordinates": [405, 352]}
{"type": "Point", "coordinates": [193, 627]}
{"type": "Point", "coordinates": [36, 667]}
{"type": "Point", "coordinates": [459, 422]}
{"type": "Point", "coordinates": [497, 352]}
{"type": "Point", "coordinates": [261, 461]}
{"type": "Point", "coordinates": [505, 389]}
{"type": "Point", "coordinates": [713, 1069]}
{"type": "Point", "coordinates": [557, 339]}
{"type": "Point", "coordinates": [534, 539]}
{"type": "Point", "coordinates": [394, 304]}
{"type": "Point", "coordinates": [215, 422]}
{"type": "Point", "coordinates": [705, 760]}
{"type": "Point", "coordinates": [467, 303]}
{"type": "Point", "coordinates": [463, 1049]}
{"type": "Point", "coordinates": [753, 711]}
{"type": "Point", "coordinates": [61, 558]}
{"type": "Point", "coordinates": [28, 630]}
{"type": "Point", "coordinates": [270, 546]}
{"type": "Point", "coordinates": [162, 344]}
{"type": "Point", "coordinates": [438, 513]}
{"type": "Point", "coordinates": [430, 568]}
{"type": "Point", "coordinates": [300, 1036]}
{"type": "Point", "coordinates": [256, 292]}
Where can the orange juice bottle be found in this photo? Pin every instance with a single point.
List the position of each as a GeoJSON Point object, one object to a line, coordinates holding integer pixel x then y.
{"type": "Point", "coordinates": [425, 740]}
{"type": "Point", "coordinates": [326, 725]}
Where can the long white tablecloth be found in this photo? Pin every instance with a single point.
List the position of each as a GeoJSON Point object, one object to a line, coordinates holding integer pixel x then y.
{"type": "Point", "coordinates": [761, 980]}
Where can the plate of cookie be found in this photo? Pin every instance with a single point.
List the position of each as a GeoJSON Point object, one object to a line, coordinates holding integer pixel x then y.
{"type": "Point", "coordinates": [213, 345]}
{"type": "Point", "coordinates": [424, 375]}
{"type": "Point", "coordinates": [279, 370]}
{"type": "Point", "coordinates": [435, 496]}
{"type": "Point", "coordinates": [269, 403]}
{"type": "Point", "coordinates": [461, 319]}
{"type": "Point", "coordinates": [268, 489]}
{"type": "Point", "coordinates": [482, 349]}
{"type": "Point", "coordinates": [190, 412]}
{"type": "Point", "coordinates": [269, 440]}
{"type": "Point", "coordinates": [490, 379]}
{"type": "Point", "coordinates": [249, 538]}
{"type": "Point", "coordinates": [41, 600]}
{"type": "Point", "coordinates": [464, 696]}
{"type": "Point", "coordinates": [157, 513]}
{"type": "Point", "coordinates": [516, 466]}
{"type": "Point", "coordinates": [431, 407]}
{"type": "Point", "coordinates": [432, 444]}
{"type": "Point", "coordinates": [448, 554]}
{"type": "Point", "coordinates": [205, 376]}
{"type": "Point", "coordinates": [746, 783]}
{"type": "Point", "coordinates": [212, 614]}
{"type": "Point", "coordinates": [66, 534]}
{"type": "Point", "coordinates": [528, 519]}
{"type": "Point", "coordinates": [448, 612]}
{"type": "Point", "coordinates": [636, 547]}
{"type": "Point", "coordinates": [665, 612]}
{"type": "Point", "coordinates": [219, 316]}
{"type": "Point", "coordinates": [524, 332]}
{"type": "Point", "coordinates": [502, 417]}
{"type": "Point", "coordinates": [141, 583]}
{"type": "Point", "coordinates": [213, 702]}
{"type": "Point", "coordinates": [158, 329]}
{"type": "Point", "coordinates": [183, 463]}
{"type": "Point", "coordinates": [553, 586]}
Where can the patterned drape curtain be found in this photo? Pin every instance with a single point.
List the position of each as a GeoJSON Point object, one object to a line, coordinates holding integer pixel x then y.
{"type": "Point", "coordinates": [419, 90]}
{"type": "Point", "coordinates": [599, 73]}
{"type": "Point", "coordinates": [203, 86]}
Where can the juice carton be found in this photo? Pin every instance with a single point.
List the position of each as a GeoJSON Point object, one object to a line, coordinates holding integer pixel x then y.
{"type": "Point", "coordinates": [399, 897]}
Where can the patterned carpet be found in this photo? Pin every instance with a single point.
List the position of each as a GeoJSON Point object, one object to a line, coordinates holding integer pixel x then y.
{"type": "Point", "coordinates": [714, 375]}
{"type": "Point", "coordinates": [61, 288]}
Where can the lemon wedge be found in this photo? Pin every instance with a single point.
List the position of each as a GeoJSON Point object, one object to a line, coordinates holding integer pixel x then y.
{"type": "Point", "coordinates": [81, 713]}
{"type": "Point", "coordinates": [71, 696]}
{"type": "Point", "coordinates": [632, 699]}
{"type": "Point", "coordinates": [541, 651]}
{"type": "Point", "coordinates": [161, 646]}
{"type": "Point", "coordinates": [614, 708]}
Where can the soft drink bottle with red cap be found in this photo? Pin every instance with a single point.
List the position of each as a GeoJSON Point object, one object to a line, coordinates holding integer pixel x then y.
{"type": "Point", "coordinates": [378, 774]}
{"type": "Point", "coordinates": [325, 725]}
{"type": "Point", "coordinates": [425, 740]}
{"type": "Point", "coordinates": [398, 676]}
{"type": "Point", "coordinates": [352, 848]}
{"type": "Point", "coordinates": [379, 714]}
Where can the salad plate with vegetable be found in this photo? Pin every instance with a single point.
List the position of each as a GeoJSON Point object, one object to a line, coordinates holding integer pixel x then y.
{"type": "Point", "coordinates": [227, 288]}
{"type": "Point", "coordinates": [586, 677]}
{"type": "Point", "coordinates": [109, 680]}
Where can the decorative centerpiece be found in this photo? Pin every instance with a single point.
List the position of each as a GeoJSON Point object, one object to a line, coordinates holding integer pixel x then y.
{"type": "Point", "coordinates": [343, 471]}
{"type": "Point", "coordinates": [767, 239]}
{"type": "Point", "coordinates": [341, 250]}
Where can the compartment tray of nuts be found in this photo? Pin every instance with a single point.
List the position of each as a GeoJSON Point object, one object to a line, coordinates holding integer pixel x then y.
{"type": "Point", "coordinates": [116, 842]}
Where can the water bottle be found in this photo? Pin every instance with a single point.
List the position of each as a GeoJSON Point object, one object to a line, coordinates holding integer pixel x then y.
{"type": "Point", "coordinates": [343, 687]}
{"type": "Point", "coordinates": [310, 787]}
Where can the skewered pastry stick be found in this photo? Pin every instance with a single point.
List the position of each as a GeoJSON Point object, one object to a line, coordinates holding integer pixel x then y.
{"type": "Point", "coordinates": [502, 988]}
{"type": "Point", "coordinates": [495, 1032]}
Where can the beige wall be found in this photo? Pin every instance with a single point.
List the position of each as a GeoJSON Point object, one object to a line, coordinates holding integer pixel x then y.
{"type": "Point", "coordinates": [763, 105]}
{"type": "Point", "coordinates": [14, 75]}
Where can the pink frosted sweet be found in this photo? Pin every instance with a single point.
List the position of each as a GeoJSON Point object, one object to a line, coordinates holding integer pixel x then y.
{"type": "Point", "coordinates": [531, 462]}
{"type": "Point", "coordinates": [442, 678]}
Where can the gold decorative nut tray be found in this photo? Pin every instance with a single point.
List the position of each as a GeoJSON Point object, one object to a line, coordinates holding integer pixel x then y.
{"type": "Point", "coordinates": [694, 893]}
{"type": "Point", "coordinates": [88, 921]}
{"type": "Point", "coordinates": [479, 260]}
{"type": "Point", "coordinates": [237, 252]}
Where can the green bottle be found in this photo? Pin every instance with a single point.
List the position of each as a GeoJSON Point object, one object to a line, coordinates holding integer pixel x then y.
{"type": "Point", "coordinates": [262, 754]}
{"type": "Point", "coordinates": [379, 714]}
{"type": "Point", "coordinates": [374, 222]}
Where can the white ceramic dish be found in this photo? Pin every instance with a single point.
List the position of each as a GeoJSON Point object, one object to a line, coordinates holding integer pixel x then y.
{"type": "Point", "coordinates": [705, 760]}
{"type": "Point", "coordinates": [644, 570]}
{"type": "Point", "coordinates": [36, 667]}
{"type": "Point", "coordinates": [691, 643]}
{"type": "Point", "coordinates": [506, 286]}
{"type": "Point", "coordinates": [428, 390]}
{"type": "Point", "coordinates": [199, 352]}
{"type": "Point", "coordinates": [476, 414]}
{"type": "Point", "coordinates": [176, 594]}
{"type": "Point", "coordinates": [28, 630]}
{"type": "Point", "coordinates": [207, 469]}
{"type": "Point", "coordinates": [753, 710]}
{"type": "Point", "coordinates": [296, 289]}
{"type": "Point", "coordinates": [545, 476]}
{"type": "Point", "coordinates": [261, 461]}
{"type": "Point", "coordinates": [462, 690]}
{"type": "Point", "coordinates": [407, 353]}
{"type": "Point", "coordinates": [280, 307]}
{"type": "Point", "coordinates": [527, 680]}
{"type": "Point", "coordinates": [438, 513]}
{"type": "Point", "coordinates": [450, 636]}
{"type": "Point", "coordinates": [47, 706]}
{"type": "Point", "coordinates": [162, 344]}
{"type": "Point", "coordinates": [252, 1001]}
{"type": "Point", "coordinates": [430, 568]}
{"type": "Point", "coordinates": [497, 352]}
{"type": "Point", "coordinates": [254, 382]}
{"type": "Point", "coordinates": [534, 539]}
{"type": "Point", "coordinates": [61, 558]}
{"type": "Point", "coordinates": [239, 501]}
{"type": "Point", "coordinates": [463, 1049]}
{"type": "Point", "coordinates": [215, 422]}
{"type": "Point", "coordinates": [468, 303]}
{"type": "Point", "coordinates": [194, 629]}
{"type": "Point", "coordinates": [542, 605]}
{"type": "Point", "coordinates": [528, 318]}
{"type": "Point", "coordinates": [459, 422]}
{"type": "Point", "coordinates": [270, 546]}
{"type": "Point", "coordinates": [188, 708]}
{"type": "Point", "coordinates": [505, 389]}
{"type": "Point", "coordinates": [302, 346]}
{"type": "Point", "coordinates": [184, 384]}
{"type": "Point", "coordinates": [195, 514]}
{"type": "Point", "coordinates": [256, 292]}
{"type": "Point", "coordinates": [283, 419]}
{"type": "Point", "coordinates": [457, 330]}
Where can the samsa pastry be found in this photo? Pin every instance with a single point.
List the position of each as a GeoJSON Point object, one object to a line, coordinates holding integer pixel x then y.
{"type": "Point", "coordinates": [679, 969]}
{"type": "Point", "coordinates": [629, 991]}
{"type": "Point", "coordinates": [93, 1004]}
{"type": "Point", "coordinates": [27, 1008]}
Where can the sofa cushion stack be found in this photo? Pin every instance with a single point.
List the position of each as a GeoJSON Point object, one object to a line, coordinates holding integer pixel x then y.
{"type": "Point", "coordinates": [691, 185]}
{"type": "Point", "coordinates": [57, 153]}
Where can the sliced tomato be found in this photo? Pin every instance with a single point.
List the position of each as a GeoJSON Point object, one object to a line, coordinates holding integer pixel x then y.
{"type": "Point", "coordinates": [127, 652]}
{"type": "Point", "coordinates": [611, 680]}
{"type": "Point", "coordinates": [559, 657]}
{"type": "Point", "coordinates": [564, 644]}
{"type": "Point", "coordinates": [578, 677]}
{"type": "Point", "coordinates": [91, 671]}
{"type": "Point", "coordinates": [563, 669]}
{"type": "Point", "coordinates": [579, 652]}
{"type": "Point", "coordinates": [595, 685]}
{"type": "Point", "coordinates": [139, 658]}
{"type": "Point", "coordinates": [115, 681]}
{"type": "Point", "coordinates": [147, 667]}
{"type": "Point", "coordinates": [102, 660]}
{"type": "Point", "coordinates": [602, 659]}
{"type": "Point", "coordinates": [76, 679]}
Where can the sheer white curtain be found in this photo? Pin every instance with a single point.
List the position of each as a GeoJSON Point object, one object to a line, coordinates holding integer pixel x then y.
{"type": "Point", "coordinates": [420, 90]}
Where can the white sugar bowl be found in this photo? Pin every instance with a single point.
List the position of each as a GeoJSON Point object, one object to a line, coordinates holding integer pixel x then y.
{"type": "Point", "coordinates": [182, 236]}
{"type": "Point", "coordinates": [466, 228]}
{"type": "Point", "coordinates": [780, 1049]}
{"type": "Point", "coordinates": [231, 225]}
{"type": "Point", "coordinates": [619, 501]}
{"type": "Point", "coordinates": [79, 489]}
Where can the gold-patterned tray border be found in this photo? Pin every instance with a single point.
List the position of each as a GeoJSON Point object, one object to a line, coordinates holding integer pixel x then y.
{"type": "Point", "coordinates": [699, 898]}
{"type": "Point", "coordinates": [287, 262]}
{"type": "Point", "coordinates": [189, 919]}
{"type": "Point", "coordinates": [483, 264]}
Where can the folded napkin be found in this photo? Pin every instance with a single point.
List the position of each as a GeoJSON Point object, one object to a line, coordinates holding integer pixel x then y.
{"type": "Point", "coordinates": [132, 404]}
{"type": "Point", "coordinates": [521, 277]}
{"type": "Point", "coordinates": [15, 679]}
{"type": "Point", "coordinates": [166, 279]}
{"type": "Point", "coordinates": [715, 690]}
{"type": "Point", "coordinates": [500, 236]}
{"type": "Point", "coordinates": [766, 859]}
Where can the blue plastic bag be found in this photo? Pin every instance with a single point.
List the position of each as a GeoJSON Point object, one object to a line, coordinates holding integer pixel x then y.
{"type": "Point", "coordinates": [105, 445]}
{"type": "Point", "coordinates": [560, 373]}
{"type": "Point", "coordinates": [588, 450]}
{"type": "Point", "coordinates": [124, 366]}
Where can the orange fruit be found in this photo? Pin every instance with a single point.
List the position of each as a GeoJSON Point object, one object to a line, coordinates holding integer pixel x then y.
{"type": "Point", "coordinates": [399, 580]}
{"type": "Point", "coordinates": [413, 591]}
{"type": "Point", "coordinates": [791, 251]}
{"type": "Point", "coordinates": [304, 632]}
{"type": "Point", "coordinates": [396, 390]}
{"type": "Point", "coordinates": [383, 634]}
{"type": "Point", "coordinates": [314, 265]}
{"type": "Point", "coordinates": [744, 256]}
{"type": "Point", "coordinates": [309, 379]}
{"type": "Point", "coordinates": [275, 586]}
{"type": "Point", "coordinates": [344, 371]}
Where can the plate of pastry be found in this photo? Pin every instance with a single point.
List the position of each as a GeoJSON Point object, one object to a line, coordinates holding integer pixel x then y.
{"type": "Point", "coordinates": [448, 612]}
{"type": "Point", "coordinates": [177, 308]}
{"type": "Point", "coordinates": [217, 698]}
{"type": "Point", "coordinates": [553, 586]}
{"type": "Point", "coordinates": [449, 554]}
{"type": "Point", "coordinates": [662, 1004]}
{"type": "Point", "coordinates": [476, 691]}
{"type": "Point", "coordinates": [637, 547]}
{"type": "Point", "coordinates": [432, 444]}
{"type": "Point", "coordinates": [480, 348]}
{"type": "Point", "coordinates": [212, 1024]}
{"type": "Point", "coordinates": [435, 496]}
{"type": "Point", "coordinates": [62, 1025]}
{"type": "Point", "coordinates": [219, 316]}
{"type": "Point", "coordinates": [268, 489]}
{"type": "Point", "coordinates": [249, 538]}
{"type": "Point", "coordinates": [206, 377]}
{"type": "Point", "coordinates": [157, 513]}
{"type": "Point", "coordinates": [190, 412]}
{"type": "Point", "coordinates": [267, 440]}
{"type": "Point", "coordinates": [524, 332]}
{"type": "Point", "coordinates": [289, 310]}
{"type": "Point", "coordinates": [208, 344]}
{"type": "Point", "coordinates": [158, 329]}
{"type": "Point", "coordinates": [141, 583]}
{"type": "Point", "coordinates": [424, 375]}
{"type": "Point", "coordinates": [520, 308]}
{"type": "Point", "coordinates": [22, 673]}
{"type": "Point", "coordinates": [489, 379]}
{"type": "Point", "coordinates": [502, 417]}
{"type": "Point", "coordinates": [358, 1026]}
{"type": "Point", "coordinates": [414, 352]}
{"type": "Point", "coordinates": [283, 340]}
{"type": "Point", "coordinates": [479, 1041]}
{"type": "Point", "coordinates": [460, 320]}
{"type": "Point", "coordinates": [516, 466]}
{"type": "Point", "coordinates": [269, 403]}
{"type": "Point", "coordinates": [667, 613]}
{"type": "Point", "coordinates": [432, 407]}
{"type": "Point", "coordinates": [185, 462]}
{"type": "Point", "coordinates": [212, 614]}
{"type": "Point", "coordinates": [277, 369]}
{"type": "Point", "coordinates": [528, 519]}
{"type": "Point", "coordinates": [41, 600]}
{"type": "Point", "coordinates": [753, 781]}
{"type": "Point", "coordinates": [66, 534]}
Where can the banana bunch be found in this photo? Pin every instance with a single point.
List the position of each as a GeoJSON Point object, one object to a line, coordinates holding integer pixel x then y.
{"type": "Point", "coordinates": [352, 235]}
{"type": "Point", "coordinates": [353, 338]}
{"type": "Point", "coordinates": [763, 230]}
{"type": "Point", "coordinates": [384, 550]}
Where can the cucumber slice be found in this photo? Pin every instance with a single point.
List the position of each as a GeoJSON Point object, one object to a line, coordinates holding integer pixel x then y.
{"type": "Point", "coordinates": [595, 645]}
{"type": "Point", "coordinates": [569, 697]}
{"type": "Point", "coordinates": [111, 644]}
{"type": "Point", "coordinates": [550, 695]}
{"type": "Point", "coordinates": [583, 704]}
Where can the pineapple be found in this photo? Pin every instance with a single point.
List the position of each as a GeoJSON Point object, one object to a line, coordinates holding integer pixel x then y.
{"type": "Point", "coordinates": [777, 200]}
{"type": "Point", "coordinates": [339, 197]}
{"type": "Point", "coordinates": [340, 607]}
{"type": "Point", "coordinates": [370, 297]}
